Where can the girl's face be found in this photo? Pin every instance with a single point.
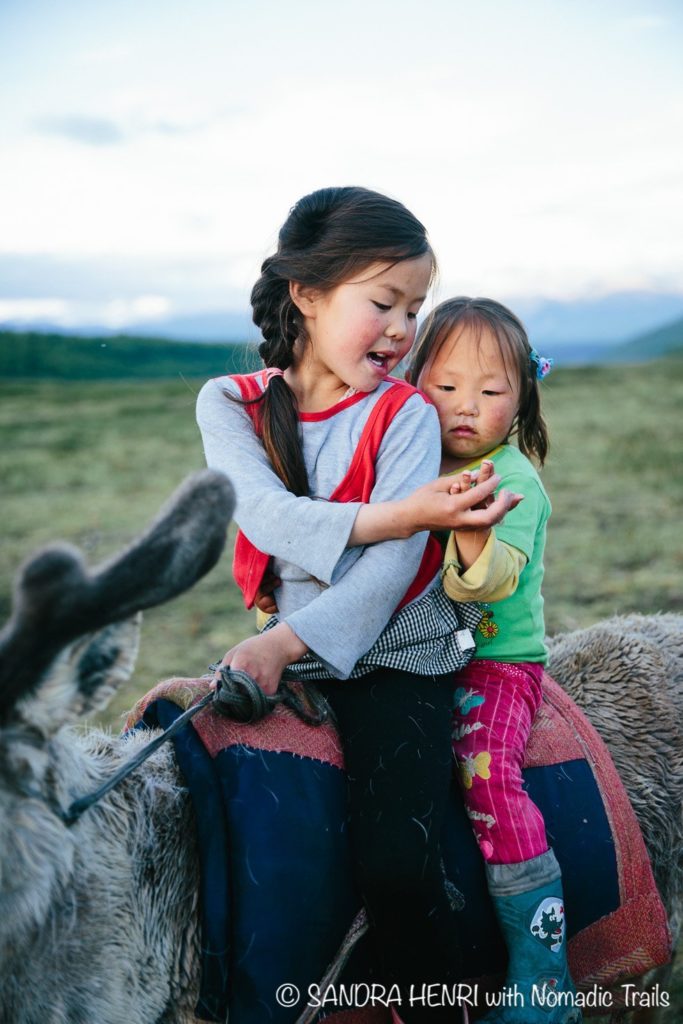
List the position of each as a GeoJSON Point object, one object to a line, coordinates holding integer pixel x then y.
{"type": "Point", "coordinates": [476, 395]}
{"type": "Point", "coordinates": [360, 330]}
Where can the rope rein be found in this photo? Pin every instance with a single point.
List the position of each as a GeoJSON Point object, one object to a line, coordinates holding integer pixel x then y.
{"type": "Point", "coordinates": [236, 696]}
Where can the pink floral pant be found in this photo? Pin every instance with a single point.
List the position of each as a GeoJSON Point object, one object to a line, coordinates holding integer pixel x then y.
{"type": "Point", "coordinates": [495, 704]}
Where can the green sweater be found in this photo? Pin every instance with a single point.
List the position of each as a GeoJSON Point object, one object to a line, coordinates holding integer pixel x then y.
{"type": "Point", "coordinates": [513, 629]}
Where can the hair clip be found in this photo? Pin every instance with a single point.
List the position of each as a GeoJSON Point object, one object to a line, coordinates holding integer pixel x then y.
{"type": "Point", "coordinates": [543, 364]}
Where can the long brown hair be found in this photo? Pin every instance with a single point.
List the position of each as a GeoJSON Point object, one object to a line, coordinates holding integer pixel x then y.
{"type": "Point", "coordinates": [486, 314]}
{"type": "Point", "coordinates": [329, 236]}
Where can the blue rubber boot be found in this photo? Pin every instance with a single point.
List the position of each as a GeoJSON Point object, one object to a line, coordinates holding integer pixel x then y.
{"type": "Point", "coordinates": [528, 901]}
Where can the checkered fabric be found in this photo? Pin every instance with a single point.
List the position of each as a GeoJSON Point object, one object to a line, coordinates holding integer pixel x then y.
{"type": "Point", "coordinates": [432, 636]}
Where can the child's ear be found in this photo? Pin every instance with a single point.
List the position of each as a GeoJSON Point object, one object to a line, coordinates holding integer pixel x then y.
{"type": "Point", "coordinates": [304, 298]}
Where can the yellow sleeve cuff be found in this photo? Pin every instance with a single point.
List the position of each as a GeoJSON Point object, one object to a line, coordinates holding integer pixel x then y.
{"type": "Point", "coordinates": [493, 576]}
{"type": "Point", "coordinates": [261, 619]}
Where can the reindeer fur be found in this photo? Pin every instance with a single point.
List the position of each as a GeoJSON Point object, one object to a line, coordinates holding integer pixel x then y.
{"type": "Point", "coordinates": [627, 675]}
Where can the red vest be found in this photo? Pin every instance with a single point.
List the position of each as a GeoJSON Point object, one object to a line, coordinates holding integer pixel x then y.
{"type": "Point", "coordinates": [249, 564]}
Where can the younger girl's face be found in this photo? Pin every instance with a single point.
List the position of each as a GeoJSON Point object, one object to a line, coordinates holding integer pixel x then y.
{"type": "Point", "coordinates": [476, 395]}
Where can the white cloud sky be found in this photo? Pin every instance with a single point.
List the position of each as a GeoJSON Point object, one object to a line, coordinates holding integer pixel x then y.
{"type": "Point", "coordinates": [539, 141]}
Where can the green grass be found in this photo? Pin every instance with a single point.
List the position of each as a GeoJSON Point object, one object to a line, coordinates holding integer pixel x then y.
{"type": "Point", "coordinates": [614, 478]}
{"type": "Point", "coordinates": [92, 462]}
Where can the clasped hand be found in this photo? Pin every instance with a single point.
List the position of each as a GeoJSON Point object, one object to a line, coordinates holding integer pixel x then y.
{"type": "Point", "coordinates": [465, 501]}
{"type": "Point", "coordinates": [266, 656]}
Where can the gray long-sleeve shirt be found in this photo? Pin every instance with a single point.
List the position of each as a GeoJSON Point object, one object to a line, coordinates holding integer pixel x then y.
{"type": "Point", "coordinates": [308, 537]}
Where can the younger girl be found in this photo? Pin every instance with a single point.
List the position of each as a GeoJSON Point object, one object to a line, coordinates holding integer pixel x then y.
{"type": "Point", "coordinates": [474, 361]}
{"type": "Point", "coordinates": [337, 305]}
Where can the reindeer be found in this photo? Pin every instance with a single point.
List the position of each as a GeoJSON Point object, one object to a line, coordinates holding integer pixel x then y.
{"type": "Point", "coordinates": [98, 920]}
{"type": "Point", "coordinates": [98, 923]}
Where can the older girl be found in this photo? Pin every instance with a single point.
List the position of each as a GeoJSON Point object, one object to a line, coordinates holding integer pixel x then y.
{"type": "Point", "coordinates": [337, 306]}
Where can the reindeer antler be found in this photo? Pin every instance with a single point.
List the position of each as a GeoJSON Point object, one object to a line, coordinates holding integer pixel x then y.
{"type": "Point", "coordinates": [57, 598]}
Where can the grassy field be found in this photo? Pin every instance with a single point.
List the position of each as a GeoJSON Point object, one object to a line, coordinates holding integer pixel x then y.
{"type": "Point", "coordinates": [91, 463]}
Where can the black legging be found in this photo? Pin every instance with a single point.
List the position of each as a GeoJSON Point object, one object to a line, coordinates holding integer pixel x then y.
{"type": "Point", "coordinates": [395, 729]}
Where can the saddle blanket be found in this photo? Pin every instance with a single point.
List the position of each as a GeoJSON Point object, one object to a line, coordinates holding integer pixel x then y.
{"type": "Point", "coordinates": [276, 889]}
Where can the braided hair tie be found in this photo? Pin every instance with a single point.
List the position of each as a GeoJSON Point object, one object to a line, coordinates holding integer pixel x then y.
{"type": "Point", "coordinates": [273, 371]}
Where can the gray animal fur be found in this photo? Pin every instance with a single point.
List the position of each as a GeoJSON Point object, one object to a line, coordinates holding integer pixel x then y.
{"type": "Point", "coordinates": [626, 673]}
{"type": "Point", "coordinates": [98, 922]}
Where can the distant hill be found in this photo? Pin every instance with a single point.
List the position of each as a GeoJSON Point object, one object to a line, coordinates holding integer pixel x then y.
{"type": "Point", "coordinates": [566, 326]}
{"type": "Point", "coordinates": [217, 326]}
{"type": "Point", "coordinates": [31, 354]}
{"type": "Point", "coordinates": [212, 327]}
{"type": "Point", "coordinates": [69, 357]}
{"type": "Point", "coordinates": [577, 353]}
{"type": "Point", "coordinates": [667, 340]}
{"type": "Point", "coordinates": [608, 320]}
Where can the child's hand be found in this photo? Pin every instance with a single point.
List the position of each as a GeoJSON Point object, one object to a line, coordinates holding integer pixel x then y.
{"type": "Point", "coordinates": [266, 656]}
{"type": "Point", "coordinates": [264, 600]}
{"type": "Point", "coordinates": [469, 477]}
{"type": "Point", "coordinates": [460, 503]}
{"type": "Point", "coordinates": [463, 502]}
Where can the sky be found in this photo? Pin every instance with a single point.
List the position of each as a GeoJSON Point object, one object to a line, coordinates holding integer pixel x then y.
{"type": "Point", "coordinates": [150, 149]}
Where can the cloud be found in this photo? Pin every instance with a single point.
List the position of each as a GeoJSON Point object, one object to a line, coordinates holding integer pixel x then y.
{"type": "Point", "coordinates": [120, 312]}
{"type": "Point", "coordinates": [19, 310]}
{"type": "Point", "coordinates": [106, 290]}
{"type": "Point", "coordinates": [92, 131]}
{"type": "Point", "coordinates": [644, 21]}
{"type": "Point", "coordinates": [103, 131]}
{"type": "Point", "coordinates": [116, 53]}
{"type": "Point", "coordinates": [66, 313]}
